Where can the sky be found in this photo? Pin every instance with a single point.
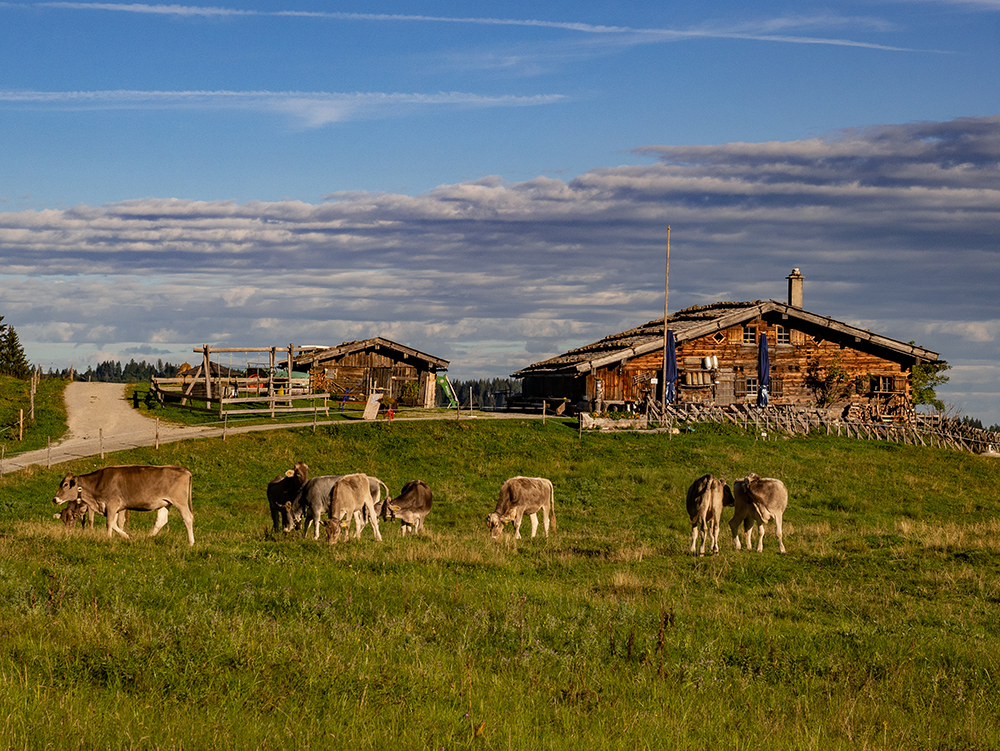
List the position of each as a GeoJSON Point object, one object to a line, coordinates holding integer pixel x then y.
{"type": "Point", "coordinates": [495, 189]}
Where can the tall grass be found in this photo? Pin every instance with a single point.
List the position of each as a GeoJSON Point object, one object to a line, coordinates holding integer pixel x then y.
{"type": "Point", "coordinates": [877, 630]}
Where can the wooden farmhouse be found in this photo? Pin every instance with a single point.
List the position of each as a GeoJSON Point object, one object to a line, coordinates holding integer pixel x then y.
{"type": "Point", "coordinates": [354, 370]}
{"type": "Point", "coordinates": [815, 361]}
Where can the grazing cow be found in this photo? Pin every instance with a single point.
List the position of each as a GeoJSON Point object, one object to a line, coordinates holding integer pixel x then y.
{"type": "Point", "coordinates": [111, 490]}
{"type": "Point", "coordinates": [758, 500]}
{"type": "Point", "coordinates": [348, 497]}
{"type": "Point", "coordinates": [705, 499]}
{"type": "Point", "coordinates": [411, 506]}
{"type": "Point", "coordinates": [283, 489]}
{"type": "Point", "coordinates": [313, 500]}
{"type": "Point", "coordinates": [520, 496]}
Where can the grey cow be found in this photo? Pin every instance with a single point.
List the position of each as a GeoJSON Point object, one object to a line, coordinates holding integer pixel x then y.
{"type": "Point", "coordinates": [520, 496]}
{"type": "Point", "coordinates": [758, 500]}
{"type": "Point", "coordinates": [313, 500]}
{"type": "Point", "coordinates": [705, 499]}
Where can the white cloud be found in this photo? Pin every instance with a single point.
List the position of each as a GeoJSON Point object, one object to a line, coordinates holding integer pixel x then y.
{"type": "Point", "coordinates": [312, 109]}
{"type": "Point", "coordinates": [893, 227]}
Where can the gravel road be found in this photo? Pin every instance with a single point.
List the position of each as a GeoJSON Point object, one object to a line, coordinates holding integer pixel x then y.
{"type": "Point", "coordinates": [100, 419]}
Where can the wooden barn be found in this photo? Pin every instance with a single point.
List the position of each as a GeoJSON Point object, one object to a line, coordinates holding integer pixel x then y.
{"type": "Point", "coordinates": [814, 361]}
{"type": "Point", "coordinates": [357, 369]}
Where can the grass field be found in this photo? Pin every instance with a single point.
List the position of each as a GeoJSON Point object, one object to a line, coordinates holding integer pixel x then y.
{"type": "Point", "coordinates": [878, 630]}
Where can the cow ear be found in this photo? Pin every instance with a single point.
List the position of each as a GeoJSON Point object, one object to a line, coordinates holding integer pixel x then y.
{"type": "Point", "coordinates": [289, 473]}
{"type": "Point", "coordinates": [288, 505]}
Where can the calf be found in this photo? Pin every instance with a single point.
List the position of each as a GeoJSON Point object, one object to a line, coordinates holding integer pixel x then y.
{"type": "Point", "coordinates": [75, 511]}
{"type": "Point", "coordinates": [705, 499]}
{"type": "Point", "coordinates": [758, 500]}
{"type": "Point", "coordinates": [281, 490]}
{"type": "Point", "coordinates": [520, 496]}
{"type": "Point", "coordinates": [411, 506]}
{"type": "Point", "coordinates": [349, 495]}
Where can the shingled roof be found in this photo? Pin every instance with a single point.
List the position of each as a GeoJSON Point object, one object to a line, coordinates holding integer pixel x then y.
{"type": "Point", "coordinates": [697, 321]}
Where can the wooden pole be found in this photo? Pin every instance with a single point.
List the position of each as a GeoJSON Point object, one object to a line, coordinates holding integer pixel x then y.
{"type": "Point", "coordinates": [20, 427]}
{"type": "Point", "coordinates": [48, 452]}
{"type": "Point", "coordinates": [666, 295]}
{"type": "Point", "coordinates": [157, 437]}
{"type": "Point", "coordinates": [100, 434]}
{"type": "Point", "coordinates": [206, 364]}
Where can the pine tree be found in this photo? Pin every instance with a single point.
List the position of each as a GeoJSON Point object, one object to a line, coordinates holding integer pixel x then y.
{"type": "Point", "coordinates": [12, 359]}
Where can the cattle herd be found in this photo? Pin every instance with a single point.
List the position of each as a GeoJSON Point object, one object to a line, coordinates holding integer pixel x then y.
{"type": "Point", "coordinates": [297, 501]}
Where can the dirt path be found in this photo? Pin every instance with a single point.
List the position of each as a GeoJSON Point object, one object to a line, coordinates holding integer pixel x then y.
{"type": "Point", "coordinates": [99, 419]}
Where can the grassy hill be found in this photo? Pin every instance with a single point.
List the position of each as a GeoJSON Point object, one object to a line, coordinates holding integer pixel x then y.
{"type": "Point", "coordinates": [877, 630]}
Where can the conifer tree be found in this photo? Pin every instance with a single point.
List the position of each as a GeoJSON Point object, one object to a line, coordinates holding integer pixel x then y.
{"type": "Point", "coordinates": [12, 359]}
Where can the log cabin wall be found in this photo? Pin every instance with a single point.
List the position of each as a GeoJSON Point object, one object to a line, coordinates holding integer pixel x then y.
{"type": "Point", "coordinates": [360, 373]}
{"type": "Point", "coordinates": [800, 361]}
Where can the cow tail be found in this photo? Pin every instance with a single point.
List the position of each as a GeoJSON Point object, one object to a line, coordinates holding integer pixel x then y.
{"type": "Point", "coordinates": [552, 504]}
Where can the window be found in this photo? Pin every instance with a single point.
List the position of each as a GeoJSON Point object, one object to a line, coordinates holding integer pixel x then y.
{"type": "Point", "coordinates": [752, 387]}
{"type": "Point", "coordinates": [885, 383]}
{"type": "Point", "coordinates": [749, 335]}
{"type": "Point", "coordinates": [782, 335]}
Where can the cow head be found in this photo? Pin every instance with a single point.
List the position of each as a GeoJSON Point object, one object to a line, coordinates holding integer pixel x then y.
{"type": "Point", "coordinates": [727, 495]}
{"type": "Point", "coordinates": [495, 524]}
{"type": "Point", "coordinates": [294, 515]}
{"type": "Point", "coordinates": [300, 473]}
{"type": "Point", "coordinates": [69, 490]}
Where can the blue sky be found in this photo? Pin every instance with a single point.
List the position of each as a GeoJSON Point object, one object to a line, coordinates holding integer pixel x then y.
{"type": "Point", "coordinates": [495, 188]}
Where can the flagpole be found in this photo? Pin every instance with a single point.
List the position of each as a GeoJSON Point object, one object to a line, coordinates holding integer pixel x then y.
{"type": "Point", "coordinates": [666, 294]}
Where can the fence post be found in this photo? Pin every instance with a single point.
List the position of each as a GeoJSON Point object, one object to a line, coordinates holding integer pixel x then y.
{"type": "Point", "coordinates": [100, 434]}
{"type": "Point", "coordinates": [48, 452]}
{"type": "Point", "coordinates": [3, 455]}
{"type": "Point", "coordinates": [156, 443]}
{"type": "Point", "coordinates": [20, 427]}
{"type": "Point", "coordinates": [544, 403]}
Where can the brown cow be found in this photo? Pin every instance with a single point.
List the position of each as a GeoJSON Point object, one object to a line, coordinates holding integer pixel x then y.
{"type": "Point", "coordinates": [411, 506]}
{"type": "Point", "coordinates": [520, 496]}
{"type": "Point", "coordinates": [282, 490]}
{"type": "Point", "coordinates": [134, 487]}
{"type": "Point", "coordinates": [758, 500]}
{"type": "Point", "coordinates": [349, 496]}
{"type": "Point", "coordinates": [705, 499]}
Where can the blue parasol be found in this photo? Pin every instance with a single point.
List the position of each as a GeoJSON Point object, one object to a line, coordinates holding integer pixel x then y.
{"type": "Point", "coordinates": [763, 373]}
{"type": "Point", "coordinates": [670, 371]}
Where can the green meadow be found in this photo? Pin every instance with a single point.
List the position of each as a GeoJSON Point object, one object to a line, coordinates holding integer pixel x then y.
{"type": "Point", "coordinates": [880, 629]}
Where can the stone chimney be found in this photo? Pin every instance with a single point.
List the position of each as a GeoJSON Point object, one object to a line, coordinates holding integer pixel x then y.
{"type": "Point", "coordinates": [795, 280]}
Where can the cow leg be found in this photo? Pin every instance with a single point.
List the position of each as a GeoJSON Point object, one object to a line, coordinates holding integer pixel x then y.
{"type": "Point", "coordinates": [713, 533]}
{"type": "Point", "coordinates": [517, 525]}
{"type": "Point", "coordinates": [111, 514]}
{"type": "Point", "coordinates": [760, 539]}
{"type": "Point", "coordinates": [359, 524]}
{"type": "Point", "coordinates": [374, 517]}
{"type": "Point", "coordinates": [694, 539]}
{"type": "Point", "coordinates": [161, 520]}
{"type": "Point", "coordinates": [545, 520]}
{"type": "Point", "coordinates": [777, 532]}
{"type": "Point", "coordinates": [734, 527]}
{"type": "Point", "coordinates": [276, 519]}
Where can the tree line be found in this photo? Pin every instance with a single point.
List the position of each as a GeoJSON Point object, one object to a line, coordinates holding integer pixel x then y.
{"type": "Point", "coordinates": [487, 393]}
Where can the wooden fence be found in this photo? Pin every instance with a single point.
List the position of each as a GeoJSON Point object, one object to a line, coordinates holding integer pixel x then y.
{"type": "Point", "coordinates": [241, 396]}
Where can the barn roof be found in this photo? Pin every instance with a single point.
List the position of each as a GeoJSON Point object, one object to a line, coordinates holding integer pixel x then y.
{"type": "Point", "coordinates": [377, 344]}
{"type": "Point", "coordinates": [697, 321]}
